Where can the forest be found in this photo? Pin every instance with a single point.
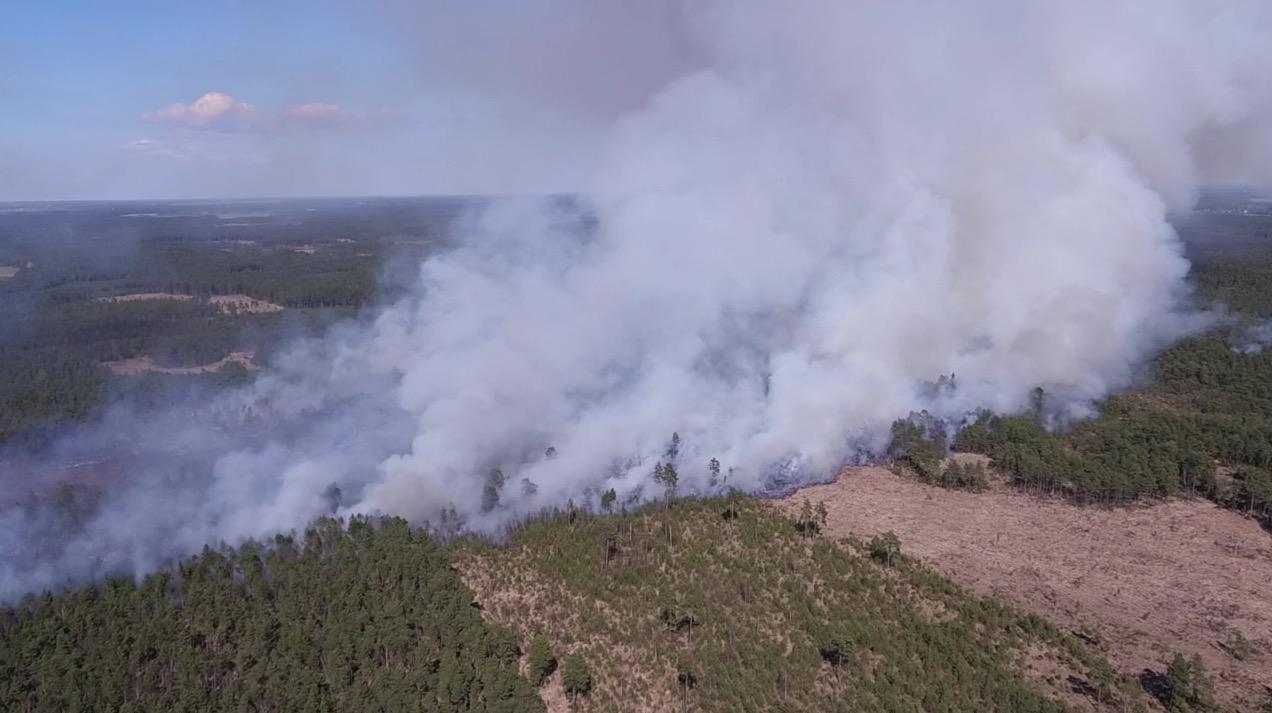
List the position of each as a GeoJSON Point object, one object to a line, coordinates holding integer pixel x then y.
{"type": "Point", "coordinates": [364, 615]}
{"type": "Point", "coordinates": [320, 261]}
{"type": "Point", "coordinates": [1204, 427]}
{"type": "Point", "coordinates": [1200, 423]}
{"type": "Point", "coordinates": [714, 605]}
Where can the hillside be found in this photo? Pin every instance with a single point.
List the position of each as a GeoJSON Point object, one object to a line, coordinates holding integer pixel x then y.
{"type": "Point", "coordinates": [691, 609]}
{"type": "Point", "coordinates": [708, 605]}
{"type": "Point", "coordinates": [1145, 582]}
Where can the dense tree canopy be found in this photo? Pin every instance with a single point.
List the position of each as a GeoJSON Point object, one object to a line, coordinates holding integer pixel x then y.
{"type": "Point", "coordinates": [365, 617]}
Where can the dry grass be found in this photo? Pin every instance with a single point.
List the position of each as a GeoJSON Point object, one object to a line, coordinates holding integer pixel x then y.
{"type": "Point", "coordinates": [514, 594]}
{"type": "Point", "coordinates": [1180, 575]}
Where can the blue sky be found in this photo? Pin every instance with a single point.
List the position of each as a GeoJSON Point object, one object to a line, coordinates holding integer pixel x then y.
{"type": "Point", "coordinates": [102, 100]}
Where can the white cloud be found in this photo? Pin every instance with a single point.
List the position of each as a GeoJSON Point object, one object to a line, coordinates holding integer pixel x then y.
{"type": "Point", "coordinates": [217, 111]}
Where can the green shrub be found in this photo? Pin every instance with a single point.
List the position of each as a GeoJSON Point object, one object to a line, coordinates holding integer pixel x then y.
{"type": "Point", "coordinates": [576, 678]}
{"type": "Point", "coordinates": [1188, 688]}
{"type": "Point", "coordinates": [540, 661]}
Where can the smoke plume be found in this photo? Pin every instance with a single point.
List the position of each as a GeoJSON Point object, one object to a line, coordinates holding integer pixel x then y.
{"type": "Point", "coordinates": [823, 207]}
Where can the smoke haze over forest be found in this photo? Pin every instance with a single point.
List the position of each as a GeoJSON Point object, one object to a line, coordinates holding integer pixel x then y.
{"type": "Point", "coordinates": [799, 218]}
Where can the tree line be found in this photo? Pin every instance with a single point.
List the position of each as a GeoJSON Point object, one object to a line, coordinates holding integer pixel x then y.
{"type": "Point", "coordinates": [1210, 406]}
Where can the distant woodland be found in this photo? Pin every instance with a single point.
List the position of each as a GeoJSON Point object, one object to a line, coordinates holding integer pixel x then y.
{"type": "Point", "coordinates": [319, 261]}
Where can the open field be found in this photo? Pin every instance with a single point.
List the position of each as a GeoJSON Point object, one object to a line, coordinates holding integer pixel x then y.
{"type": "Point", "coordinates": [227, 304]}
{"type": "Point", "coordinates": [145, 364]}
{"type": "Point", "coordinates": [145, 297]}
{"type": "Point", "coordinates": [243, 304]}
{"type": "Point", "coordinates": [1145, 581]}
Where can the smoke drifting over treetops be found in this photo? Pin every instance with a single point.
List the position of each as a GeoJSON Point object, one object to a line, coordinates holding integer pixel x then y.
{"type": "Point", "coordinates": [823, 208]}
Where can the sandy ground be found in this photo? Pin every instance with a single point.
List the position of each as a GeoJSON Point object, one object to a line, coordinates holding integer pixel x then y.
{"type": "Point", "coordinates": [242, 304]}
{"type": "Point", "coordinates": [141, 364]}
{"type": "Point", "coordinates": [1181, 575]}
{"type": "Point", "coordinates": [142, 296]}
{"type": "Point", "coordinates": [9, 272]}
{"type": "Point", "coordinates": [228, 304]}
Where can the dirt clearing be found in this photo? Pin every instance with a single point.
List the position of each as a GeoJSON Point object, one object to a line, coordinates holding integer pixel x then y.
{"type": "Point", "coordinates": [1149, 581]}
{"type": "Point", "coordinates": [145, 296]}
{"type": "Point", "coordinates": [143, 364]}
{"type": "Point", "coordinates": [228, 304]}
{"type": "Point", "coordinates": [242, 304]}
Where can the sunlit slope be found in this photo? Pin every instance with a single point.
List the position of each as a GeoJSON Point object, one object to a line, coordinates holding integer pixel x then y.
{"type": "Point", "coordinates": [693, 608]}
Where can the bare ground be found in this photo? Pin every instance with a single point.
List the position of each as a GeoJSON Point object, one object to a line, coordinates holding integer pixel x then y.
{"type": "Point", "coordinates": [144, 296]}
{"type": "Point", "coordinates": [142, 364]}
{"type": "Point", "coordinates": [228, 304]}
{"type": "Point", "coordinates": [1148, 581]}
{"type": "Point", "coordinates": [242, 304]}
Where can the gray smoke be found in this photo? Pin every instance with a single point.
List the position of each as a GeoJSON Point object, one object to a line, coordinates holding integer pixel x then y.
{"type": "Point", "coordinates": [825, 207]}
{"type": "Point", "coordinates": [1253, 338]}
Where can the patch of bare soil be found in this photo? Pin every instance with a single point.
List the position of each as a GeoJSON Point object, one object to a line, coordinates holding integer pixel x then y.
{"type": "Point", "coordinates": [242, 304]}
{"type": "Point", "coordinates": [7, 273]}
{"type": "Point", "coordinates": [1175, 576]}
{"type": "Point", "coordinates": [143, 296]}
{"type": "Point", "coordinates": [228, 304]}
{"type": "Point", "coordinates": [142, 364]}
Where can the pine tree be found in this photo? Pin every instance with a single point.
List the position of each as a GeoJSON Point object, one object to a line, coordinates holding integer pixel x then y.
{"type": "Point", "coordinates": [540, 661]}
{"type": "Point", "coordinates": [673, 448]}
{"type": "Point", "coordinates": [576, 678]}
{"type": "Point", "coordinates": [1188, 689]}
{"type": "Point", "coordinates": [665, 475]}
{"type": "Point", "coordinates": [885, 548]}
{"type": "Point", "coordinates": [490, 494]}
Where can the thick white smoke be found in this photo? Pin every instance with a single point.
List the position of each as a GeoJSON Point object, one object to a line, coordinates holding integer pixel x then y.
{"type": "Point", "coordinates": [828, 207]}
